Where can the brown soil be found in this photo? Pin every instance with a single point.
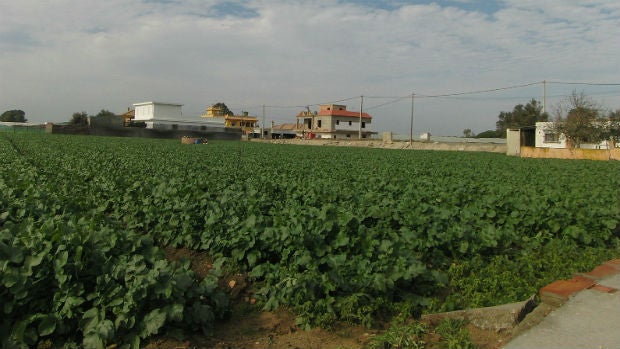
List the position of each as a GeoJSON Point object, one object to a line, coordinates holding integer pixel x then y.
{"type": "Point", "coordinates": [250, 328]}
{"type": "Point", "coordinates": [201, 263]}
{"type": "Point", "coordinates": [278, 331]}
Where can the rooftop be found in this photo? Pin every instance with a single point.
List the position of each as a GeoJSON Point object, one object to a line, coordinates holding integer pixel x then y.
{"type": "Point", "coordinates": [345, 113]}
{"type": "Point", "coordinates": [159, 103]}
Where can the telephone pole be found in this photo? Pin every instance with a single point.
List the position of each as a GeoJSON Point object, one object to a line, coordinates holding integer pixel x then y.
{"type": "Point", "coordinates": [411, 121]}
{"type": "Point", "coordinates": [544, 96]}
{"type": "Point", "coordinates": [262, 125]}
{"type": "Point", "coordinates": [361, 111]}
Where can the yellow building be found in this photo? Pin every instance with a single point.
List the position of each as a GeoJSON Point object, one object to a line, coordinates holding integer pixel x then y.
{"type": "Point", "coordinates": [245, 122]}
{"type": "Point", "coordinates": [214, 111]}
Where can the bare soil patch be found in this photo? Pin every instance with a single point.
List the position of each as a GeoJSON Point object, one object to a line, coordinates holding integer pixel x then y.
{"type": "Point", "coordinates": [251, 328]}
{"type": "Point", "coordinates": [278, 331]}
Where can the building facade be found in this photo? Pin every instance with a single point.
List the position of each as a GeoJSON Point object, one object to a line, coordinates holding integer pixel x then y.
{"type": "Point", "coordinates": [168, 116]}
{"type": "Point", "coordinates": [156, 110]}
{"type": "Point", "coordinates": [244, 121]}
{"type": "Point", "coordinates": [547, 137]}
{"type": "Point", "coordinates": [333, 121]}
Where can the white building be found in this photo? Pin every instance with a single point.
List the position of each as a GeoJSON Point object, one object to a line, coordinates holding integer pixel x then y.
{"type": "Point", "coordinates": [547, 137]}
{"type": "Point", "coordinates": [168, 116]}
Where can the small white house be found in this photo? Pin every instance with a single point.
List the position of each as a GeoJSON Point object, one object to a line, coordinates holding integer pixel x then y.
{"type": "Point", "coordinates": [547, 137]}
{"type": "Point", "coordinates": [168, 116]}
{"type": "Point", "coordinates": [157, 111]}
{"type": "Point", "coordinates": [426, 136]}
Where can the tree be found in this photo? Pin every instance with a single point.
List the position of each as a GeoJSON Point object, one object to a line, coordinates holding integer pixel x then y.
{"type": "Point", "coordinates": [578, 119]}
{"type": "Point", "coordinates": [489, 134]}
{"type": "Point", "coordinates": [13, 116]}
{"type": "Point", "coordinates": [80, 118]}
{"type": "Point", "coordinates": [520, 116]}
{"type": "Point", "coordinates": [468, 133]}
{"type": "Point", "coordinates": [224, 108]}
{"type": "Point", "coordinates": [104, 112]}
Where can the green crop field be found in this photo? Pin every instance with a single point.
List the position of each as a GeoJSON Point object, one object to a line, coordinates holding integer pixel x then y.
{"type": "Point", "coordinates": [333, 233]}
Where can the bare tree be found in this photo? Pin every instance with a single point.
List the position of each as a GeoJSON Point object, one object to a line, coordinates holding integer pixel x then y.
{"type": "Point", "coordinates": [578, 119]}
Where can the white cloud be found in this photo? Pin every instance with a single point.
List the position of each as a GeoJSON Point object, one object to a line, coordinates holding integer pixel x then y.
{"type": "Point", "coordinates": [66, 56]}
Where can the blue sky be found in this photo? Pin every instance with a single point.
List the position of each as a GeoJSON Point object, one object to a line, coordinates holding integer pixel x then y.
{"type": "Point", "coordinates": [57, 58]}
{"type": "Point", "coordinates": [488, 7]}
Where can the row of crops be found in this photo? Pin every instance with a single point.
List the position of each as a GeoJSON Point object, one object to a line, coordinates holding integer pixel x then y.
{"type": "Point", "coordinates": [335, 234]}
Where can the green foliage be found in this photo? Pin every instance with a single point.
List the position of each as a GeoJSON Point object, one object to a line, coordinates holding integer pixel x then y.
{"type": "Point", "coordinates": [486, 281]}
{"type": "Point", "coordinates": [468, 133]}
{"type": "Point", "coordinates": [104, 113]}
{"type": "Point", "coordinates": [13, 116]}
{"type": "Point", "coordinates": [72, 275]}
{"type": "Point", "coordinates": [224, 109]}
{"type": "Point", "coordinates": [80, 118]}
{"type": "Point", "coordinates": [454, 335]}
{"type": "Point", "coordinates": [401, 335]}
{"type": "Point", "coordinates": [521, 115]}
{"type": "Point", "coordinates": [490, 134]}
{"type": "Point", "coordinates": [579, 120]}
{"type": "Point", "coordinates": [335, 234]}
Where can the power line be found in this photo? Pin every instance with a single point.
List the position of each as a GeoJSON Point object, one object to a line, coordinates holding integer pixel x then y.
{"type": "Point", "coordinates": [284, 106]}
{"type": "Point", "coordinates": [342, 100]}
{"type": "Point", "coordinates": [311, 104]}
{"type": "Point", "coordinates": [446, 95]}
{"type": "Point", "coordinates": [396, 99]}
{"type": "Point", "coordinates": [480, 91]}
{"type": "Point", "coordinates": [582, 83]}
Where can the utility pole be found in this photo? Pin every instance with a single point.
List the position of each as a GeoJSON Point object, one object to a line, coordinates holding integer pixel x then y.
{"type": "Point", "coordinates": [411, 121]}
{"type": "Point", "coordinates": [361, 111]}
{"type": "Point", "coordinates": [544, 96]}
{"type": "Point", "coordinates": [262, 125]}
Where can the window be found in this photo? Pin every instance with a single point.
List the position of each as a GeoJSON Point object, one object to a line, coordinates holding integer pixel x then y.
{"type": "Point", "coordinates": [203, 128]}
{"type": "Point", "coordinates": [348, 136]}
{"type": "Point", "coordinates": [337, 122]}
{"type": "Point", "coordinates": [363, 124]}
{"type": "Point", "coordinates": [319, 124]}
{"type": "Point", "coordinates": [552, 137]}
{"type": "Point", "coordinates": [350, 123]}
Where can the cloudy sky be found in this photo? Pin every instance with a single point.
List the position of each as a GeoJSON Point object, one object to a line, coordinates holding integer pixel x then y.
{"type": "Point", "coordinates": [63, 56]}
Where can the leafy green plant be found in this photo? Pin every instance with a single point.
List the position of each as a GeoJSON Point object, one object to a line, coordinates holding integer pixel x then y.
{"type": "Point", "coordinates": [454, 335]}
{"type": "Point", "coordinates": [335, 234]}
{"type": "Point", "coordinates": [401, 335]}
